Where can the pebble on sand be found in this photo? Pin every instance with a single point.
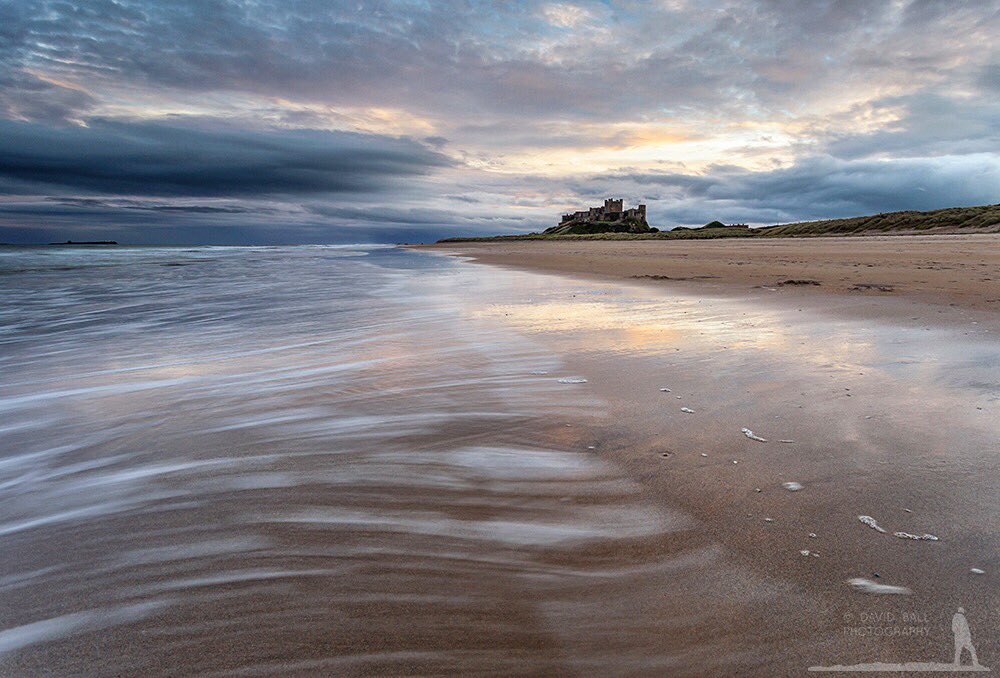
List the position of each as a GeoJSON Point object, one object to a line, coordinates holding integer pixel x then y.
{"type": "Point", "coordinates": [687, 410]}
{"type": "Point", "coordinates": [792, 486]}
{"type": "Point", "coordinates": [976, 570]}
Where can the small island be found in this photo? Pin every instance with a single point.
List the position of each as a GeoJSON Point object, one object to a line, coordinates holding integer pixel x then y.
{"type": "Point", "coordinates": [83, 242]}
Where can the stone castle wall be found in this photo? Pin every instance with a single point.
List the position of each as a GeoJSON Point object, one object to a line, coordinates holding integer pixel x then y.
{"type": "Point", "coordinates": [613, 210]}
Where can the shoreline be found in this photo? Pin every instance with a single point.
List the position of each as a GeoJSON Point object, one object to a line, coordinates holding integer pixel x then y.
{"type": "Point", "coordinates": [951, 270]}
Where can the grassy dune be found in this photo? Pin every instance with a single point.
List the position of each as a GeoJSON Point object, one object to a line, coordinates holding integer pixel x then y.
{"type": "Point", "coordinates": [984, 218]}
{"type": "Point", "coordinates": [980, 219]}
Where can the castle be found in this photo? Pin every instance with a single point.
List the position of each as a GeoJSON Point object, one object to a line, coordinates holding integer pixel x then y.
{"type": "Point", "coordinates": [611, 212]}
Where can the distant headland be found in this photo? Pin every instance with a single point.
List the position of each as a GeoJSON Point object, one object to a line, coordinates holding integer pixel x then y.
{"type": "Point", "coordinates": [84, 242]}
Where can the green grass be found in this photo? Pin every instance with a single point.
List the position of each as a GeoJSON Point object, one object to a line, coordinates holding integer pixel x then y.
{"type": "Point", "coordinates": [685, 234]}
{"type": "Point", "coordinates": [594, 227]}
{"type": "Point", "coordinates": [980, 219]}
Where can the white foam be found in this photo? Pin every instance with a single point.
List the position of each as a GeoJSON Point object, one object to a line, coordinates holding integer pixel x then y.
{"type": "Point", "coordinates": [235, 577]}
{"type": "Point", "coordinates": [570, 526]}
{"type": "Point", "coordinates": [92, 511]}
{"type": "Point", "coordinates": [523, 463]}
{"type": "Point", "coordinates": [870, 522]}
{"type": "Point", "coordinates": [874, 588]}
{"type": "Point", "coordinates": [18, 402]}
{"type": "Point", "coordinates": [202, 549]}
{"type": "Point", "coordinates": [792, 486]}
{"type": "Point", "coordinates": [917, 537]}
{"type": "Point", "coordinates": [69, 624]}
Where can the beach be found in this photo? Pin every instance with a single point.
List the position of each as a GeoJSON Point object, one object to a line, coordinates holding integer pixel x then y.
{"type": "Point", "coordinates": [823, 372]}
{"type": "Point", "coordinates": [962, 270]}
{"type": "Point", "coordinates": [368, 460]}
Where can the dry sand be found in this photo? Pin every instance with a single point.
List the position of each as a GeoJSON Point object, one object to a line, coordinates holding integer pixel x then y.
{"type": "Point", "coordinates": [962, 270]}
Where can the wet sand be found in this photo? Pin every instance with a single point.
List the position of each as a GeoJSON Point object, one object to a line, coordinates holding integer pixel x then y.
{"type": "Point", "coordinates": [831, 373]}
{"type": "Point", "coordinates": [401, 477]}
{"type": "Point", "coordinates": [961, 270]}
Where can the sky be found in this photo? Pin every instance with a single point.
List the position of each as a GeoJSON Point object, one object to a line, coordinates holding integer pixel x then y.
{"type": "Point", "coordinates": [318, 121]}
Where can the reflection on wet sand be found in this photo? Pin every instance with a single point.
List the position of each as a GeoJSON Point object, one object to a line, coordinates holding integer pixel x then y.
{"type": "Point", "coordinates": [351, 460]}
{"type": "Point", "coordinates": [897, 417]}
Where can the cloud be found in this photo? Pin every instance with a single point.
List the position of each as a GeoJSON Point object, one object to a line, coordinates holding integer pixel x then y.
{"type": "Point", "coordinates": [565, 15]}
{"type": "Point", "coordinates": [150, 206]}
{"type": "Point", "coordinates": [24, 96]}
{"type": "Point", "coordinates": [580, 60]}
{"type": "Point", "coordinates": [817, 188]}
{"type": "Point", "coordinates": [928, 124]}
{"type": "Point", "coordinates": [299, 120]}
{"type": "Point", "coordinates": [157, 158]}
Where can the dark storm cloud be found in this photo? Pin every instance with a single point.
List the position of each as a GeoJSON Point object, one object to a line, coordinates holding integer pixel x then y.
{"type": "Point", "coordinates": [149, 206]}
{"type": "Point", "coordinates": [146, 158]}
{"type": "Point", "coordinates": [415, 216]}
{"type": "Point", "coordinates": [57, 220]}
{"type": "Point", "coordinates": [26, 97]}
{"type": "Point", "coordinates": [820, 187]}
